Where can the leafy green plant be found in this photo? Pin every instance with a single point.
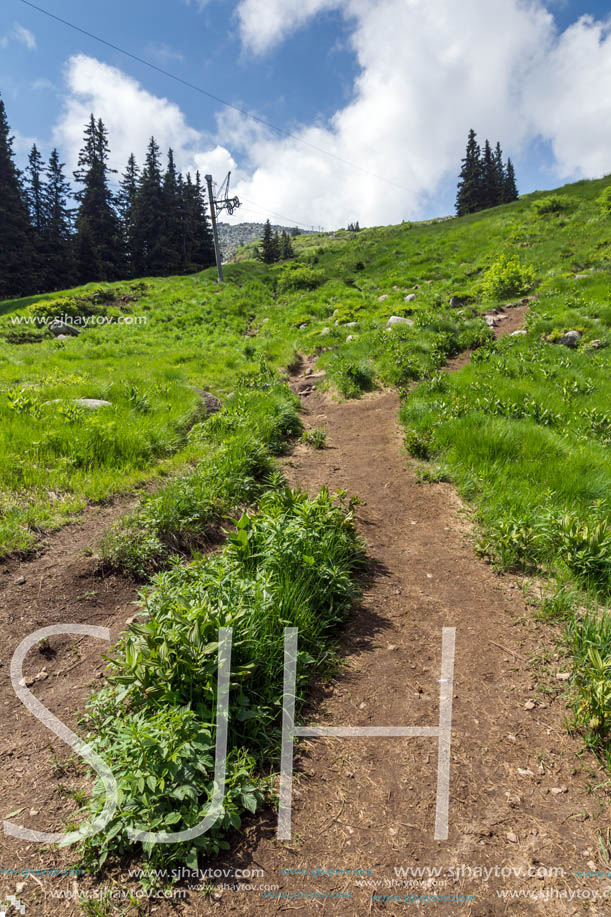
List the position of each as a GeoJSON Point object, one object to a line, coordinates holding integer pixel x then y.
{"type": "Point", "coordinates": [604, 201]}
{"type": "Point", "coordinates": [589, 638]}
{"type": "Point", "coordinates": [316, 438]}
{"type": "Point", "coordinates": [506, 277]}
{"type": "Point", "coordinates": [552, 203]}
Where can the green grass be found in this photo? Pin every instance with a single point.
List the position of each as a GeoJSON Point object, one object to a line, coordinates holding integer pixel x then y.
{"type": "Point", "coordinates": [55, 457]}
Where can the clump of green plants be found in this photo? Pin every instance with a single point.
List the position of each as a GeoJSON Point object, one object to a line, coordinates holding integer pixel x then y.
{"type": "Point", "coordinates": [507, 277]}
{"type": "Point", "coordinates": [292, 563]}
{"type": "Point", "coordinates": [553, 203]}
{"type": "Point", "coordinates": [316, 438]}
{"type": "Point", "coordinates": [255, 424]}
{"type": "Point", "coordinates": [350, 377]}
{"type": "Point", "coordinates": [604, 201]}
{"type": "Point", "coordinates": [298, 277]}
{"type": "Point", "coordinates": [589, 639]}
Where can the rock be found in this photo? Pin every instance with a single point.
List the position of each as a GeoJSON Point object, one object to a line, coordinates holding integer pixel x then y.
{"type": "Point", "coordinates": [326, 331]}
{"type": "Point", "coordinates": [57, 327]}
{"type": "Point", "coordinates": [20, 581]}
{"type": "Point", "coordinates": [570, 339]}
{"type": "Point", "coordinates": [580, 276]}
{"type": "Point", "coordinates": [61, 337]}
{"type": "Point", "coordinates": [529, 705]}
{"type": "Point", "coordinates": [456, 302]}
{"type": "Point", "coordinates": [349, 338]}
{"type": "Point", "coordinates": [309, 371]}
{"type": "Point", "coordinates": [416, 286]}
{"type": "Point", "coordinates": [19, 888]}
{"type": "Point", "coordinates": [563, 676]}
{"type": "Point", "coordinates": [515, 334]}
{"type": "Point", "coordinates": [490, 321]}
{"type": "Point", "coordinates": [25, 682]}
{"type": "Point", "coordinates": [525, 772]}
{"type": "Point", "coordinates": [303, 326]}
{"type": "Point", "coordinates": [350, 324]}
{"type": "Point", "coordinates": [382, 297]}
{"type": "Point", "coordinates": [512, 838]}
{"type": "Point", "coordinates": [558, 790]}
{"type": "Point", "coordinates": [92, 404]}
{"type": "Point", "coordinates": [265, 321]}
{"type": "Point", "coordinates": [398, 320]}
{"type": "Point", "coordinates": [596, 344]}
{"type": "Point", "coordinates": [410, 297]}
{"type": "Point", "coordinates": [213, 405]}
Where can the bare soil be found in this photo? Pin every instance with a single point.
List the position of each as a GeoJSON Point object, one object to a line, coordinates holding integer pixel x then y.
{"type": "Point", "coordinates": [521, 788]}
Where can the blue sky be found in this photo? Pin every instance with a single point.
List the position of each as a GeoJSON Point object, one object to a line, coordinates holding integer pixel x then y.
{"type": "Point", "coordinates": [389, 86]}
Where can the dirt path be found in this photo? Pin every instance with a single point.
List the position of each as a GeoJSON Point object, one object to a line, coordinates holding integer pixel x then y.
{"type": "Point", "coordinates": [518, 790]}
{"type": "Point", "coordinates": [518, 787]}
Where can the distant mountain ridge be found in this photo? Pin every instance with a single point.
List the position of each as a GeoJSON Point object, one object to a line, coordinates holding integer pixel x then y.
{"type": "Point", "coordinates": [233, 235]}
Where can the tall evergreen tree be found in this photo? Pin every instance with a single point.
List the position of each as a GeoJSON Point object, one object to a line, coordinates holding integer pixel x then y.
{"type": "Point", "coordinates": [499, 174]}
{"type": "Point", "coordinates": [286, 246]}
{"type": "Point", "coordinates": [35, 194]}
{"type": "Point", "coordinates": [510, 190]}
{"type": "Point", "coordinates": [126, 206]}
{"type": "Point", "coordinates": [148, 256]}
{"type": "Point", "coordinates": [98, 242]}
{"type": "Point", "coordinates": [16, 270]}
{"type": "Point", "coordinates": [468, 199]}
{"type": "Point", "coordinates": [204, 248]}
{"type": "Point", "coordinates": [489, 189]}
{"type": "Point", "coordinates": [267, 252]}
{"type": "Point", "coordinates": [171, 242]}
{"type": "Point", "coordinates": [58, 227]}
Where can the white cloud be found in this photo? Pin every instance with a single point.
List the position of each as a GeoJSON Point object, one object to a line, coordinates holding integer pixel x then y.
{"type": "Point", "coordinates": [130, 113]}
{"type": "Point", "coordinates": [21, 35]}
{"type": "Point", "coordinates": [25, 37]}
{"type": "Point", "coordinates": [428, 71]}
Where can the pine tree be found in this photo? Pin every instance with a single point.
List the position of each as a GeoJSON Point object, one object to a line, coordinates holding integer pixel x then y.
{"type": "Point", "coordinates": [171, 234]}
{"type": "Point", "coordinates": [148, 256]}
{"type": "Point", "coordinates": [468, 199]}
{"type": "Point", "coordinates": [276, 251]}
{"type": "Point", "coordinates": [58, 227]}
{"type": "Point", "coordinates": [98, 241]}
{"type": "Point", "coordinates": [34, 188]}
{"type": "Point", "coordinates": [499, 175]}
{"type": "Point", "coordinates": [510, 191]}
{"type": "Point", "coordinates": [286, 246]}
{"type": "Point", "coordinates": [16, 271]}
{"type": "Point", "coordinates": [126, 205]}
{"type": "Point", "coordinates": [204, 247]}
{"type": "Point", "coordinates": [267, 252]}
{"type": "Point", "coordinates": [489, 190]}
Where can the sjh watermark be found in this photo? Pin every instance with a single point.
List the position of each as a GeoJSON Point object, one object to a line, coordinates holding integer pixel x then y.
{"type": "Point", "coordinates": [441, 732]}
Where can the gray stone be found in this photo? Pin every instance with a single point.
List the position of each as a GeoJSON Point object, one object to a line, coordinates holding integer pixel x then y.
{"type": "Point", "coordinates": [382, 297]}
{"type": "Point", "coordinates": [571, 339]}
{"type": "Point", "coordinates": [349, 338]}
{"type": "Point", "coordinates": [596, 344]}
{"type": "Point", "coordinates": [490, 320]}
{"type": "Point", "coordinates": [213, 405]}
{"type": "Point", "coordinates": [57, 327]}
{"type": "Point", "coordinates": [520, 331]}
{"type": "Point", "coordinates": [398, 320]}
{"type": "Point", "coordinates": [455, 302]}
{"type": "Point", "coordinates": [410, 297]}
{"type": "Point", "coordinates": [326, 331]}
{"type": "Point", "coordinates": [350, 324]}
{"type": "Point", "coordinates": [303, 326]}
{"type": "Point", "coordinates": [92, 404]}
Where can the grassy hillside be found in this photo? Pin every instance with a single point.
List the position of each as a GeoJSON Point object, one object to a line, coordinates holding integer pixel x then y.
{"type": "Point", "coordinates": [170, 335]}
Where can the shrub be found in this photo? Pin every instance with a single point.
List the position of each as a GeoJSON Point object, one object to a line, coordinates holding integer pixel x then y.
{"type": "Point", "coordinates": [316, 438]}
{"type": "Point", "coordinates": [352, 378]}
{"type": "Point", "coordinates": [604, 201]}
{"type": "Point", "coordinates": [553, 203]}
{"type": "Point", "coordinates": [507, 277]}
{"type": "Point", "coordinates": [299, 277]}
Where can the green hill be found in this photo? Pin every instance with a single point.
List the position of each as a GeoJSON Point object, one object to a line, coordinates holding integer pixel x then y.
{"type": "Point", "coordinates": [149, 345]}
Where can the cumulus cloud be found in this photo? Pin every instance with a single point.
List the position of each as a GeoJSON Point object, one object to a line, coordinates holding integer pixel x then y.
{"type": "Point", "coordinates": [130, 113]}
{"type": "Point", "coordinates": [428, 70]}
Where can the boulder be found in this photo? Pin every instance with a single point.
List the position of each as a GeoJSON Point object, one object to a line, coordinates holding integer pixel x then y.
{"type": "Point", "coordinates": [350, 324]}
{"type": "Point", "coordinates": [490, 320]}
{"type": "Point", "coordinates": [596, 344]}
{"type": "Point", "coordinates": [515, 334]}
{"type": "Point", "coordinates": [326, 331]}
{"type": "Point", "coordinates": [92, 404]}
{"type": "Point", "coordinates": [58, 327]}
{"type": "Point", "coordinates": [349, 338]}
{"type": "Point", "coordinates": [410, 297]}
{"type": "Point", "coordinates": [213, 404]}
{"type": "Point", "coordinates": [382, 297]}
{"type": "Point", "coordinates": [570, 339]}
{"type": "Point", "coordinates": [398, 320]}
